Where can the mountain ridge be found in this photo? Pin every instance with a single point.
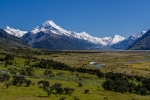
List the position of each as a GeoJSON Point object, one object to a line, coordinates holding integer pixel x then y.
{"type": "Point", "coordinates": [142, 43]}
{"type": "Point", "coordinates": [49, 31]}
{"type": "Point", "coordinates": [125, 44]}
{"type": "Point", "coordinates": [7, 40]}
{"type": "Point", "coordinates": [15, 32]}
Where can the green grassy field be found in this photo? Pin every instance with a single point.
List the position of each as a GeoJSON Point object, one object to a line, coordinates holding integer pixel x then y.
{"type": "Point", "coordinates": [128, 62]}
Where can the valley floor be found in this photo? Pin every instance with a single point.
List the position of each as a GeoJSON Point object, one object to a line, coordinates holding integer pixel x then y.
{"type": "Point", "coordinates": [24, 62]}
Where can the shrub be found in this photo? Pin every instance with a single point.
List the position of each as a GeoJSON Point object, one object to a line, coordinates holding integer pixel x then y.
{"type": "Point", "coordinates": [80, 84]}
{"type": "Point", "coordinates": [76, 98]}
{"type": "Point", "coordinates": [7, 84]}
{"type": "Point", "coordinates": [86, 91]}
{"type": "Point", "coordinates": [44, 83]}
{"type": "Point", "coordinates": [57, 87]}
{"type": "Point", "coordinates": [49, 73]}
{"type": "Point", "coordinates": [18, 80]}
{"type": "Point", "coordinates": [69, 90]}
{"type": "Point", "coordinates": [63, 98]}
{"type": "Point", "coordinates": [28, 82]}
{"type": "Point", "coordinates": [143, 91]}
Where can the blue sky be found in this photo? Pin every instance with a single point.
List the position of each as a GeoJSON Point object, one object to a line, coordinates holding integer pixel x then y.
{"type": "Point", "coordinates": [97, 17]}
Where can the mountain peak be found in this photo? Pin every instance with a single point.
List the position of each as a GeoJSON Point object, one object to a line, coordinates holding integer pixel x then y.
{"type": "Point", "coordinates": [84, 33]}
{"type": "Point", "coordinates": [7, 27]}
{"type": "Point", "coordinates": [138, 35]}
{"type": "Point", "coordinates": [15, 32]}
{"type": "Point", "coordinates": [115, 36]}
{"type": "Point", "coordinates": [116, 39]}
{"type": "Point", "coordinates": [49, 24]}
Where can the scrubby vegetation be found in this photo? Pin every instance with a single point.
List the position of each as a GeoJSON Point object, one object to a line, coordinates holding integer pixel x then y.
{"type": "Point", "coordinates": [68, 75]}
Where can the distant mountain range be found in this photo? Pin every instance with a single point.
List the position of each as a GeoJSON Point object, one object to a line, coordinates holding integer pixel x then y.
{"type": "Point", "coordinates": [125, 44]}
{"type": "Point", "coordinates": [51, 36]}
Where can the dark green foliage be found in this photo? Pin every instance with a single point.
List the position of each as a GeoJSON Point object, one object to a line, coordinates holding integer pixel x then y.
{"type": "Point", "coordinates": [7, 84]}
{"type": "Point", "coordinates": [28, 82]}
{"type": "Point", "coordinates": [48, 72]}
{"type": "Point", "coordinates": [27, 62]}
{"type": "Point", "coordinates": [114, 76]}
{"type": "Point", "coordinates": [50, 64]}
{"type": "Point", "coordinates": [131, 87]}
{"type": "Point", "coordinates": [86, 91]}
{"type": "Point", "coordinates": [145, 81]}
{"type": "Point", "coordinates": [143, 91]}
{"type": "Point", "coordinates": [137, 88]}
{"type": "Point", "coordinates": [100, 75]}
{"type": "Point", "coordinates": [63, 98]}
{"type": "Point", "coordinates": [45, 84]}
{"type": "Point", "coordinates": [57, 87]}
{"type": "Point", "coordinates": [120, 83]}
{"type": "Point", "coordinates": [69, 90]}
{"type": "Point", "coordinates": [105, 98]}
{"type": "Point", "coordinates": [76, 98]}
{"type": "Point", "coordinates": [18, 80]}
{"type": "Point", "coordinates": [147, 86]}
{"type": "Point", "coordinates": [4, 77]}
{"type": "Point", "coordinates": [108, 84]}
{"type": "Point", "coordinates": [13, 70]}
{"type": "Point", "coordinates": [29, 71]}
{"type": "Point", "coordinates": [9, 57]}
{"type": "Point", "coordinates": [138, 78]}
{"type": "Point", "coordinates": [121, 86]}
{"type": "Point", "coordinates": [80, 84]}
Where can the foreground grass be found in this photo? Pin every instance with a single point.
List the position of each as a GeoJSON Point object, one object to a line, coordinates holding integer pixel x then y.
{"type": "Point", "coordinates": [36, 93]}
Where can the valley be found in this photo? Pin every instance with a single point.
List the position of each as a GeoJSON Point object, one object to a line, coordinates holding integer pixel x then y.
{"type": "Point", "coordinates": [74, 50]}
{"type": "Point", "coordinates": [73, 70]}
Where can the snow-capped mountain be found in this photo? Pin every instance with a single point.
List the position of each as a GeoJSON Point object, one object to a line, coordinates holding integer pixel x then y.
{"type": "Point", "coordinates": [51, 36]}
{"type": "Point", "coordinates": [8, 41]}
{"type": "Point", "coordinates": [142, 43]}
{"type": "Point", "coordinates": [15, 32]}
{"type": "Point", "coordinates": [136, 36]}
{"type": "Point", "coordinates": [50, 27]}
{"type": "Point", "coordinates": [115, 39]}
{"type": "Point", "coordinates": [125, 44]}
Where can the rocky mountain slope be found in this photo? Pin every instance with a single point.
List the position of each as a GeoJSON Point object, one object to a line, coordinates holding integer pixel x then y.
{"type": "Point", "coordinates": [51, 36]}
{"type": "Point", "coordinates": [125, 44]}
{"type": "Point", "coordinates": [7, 40]}
{"type": "Point", "coordinates": [142, 43]}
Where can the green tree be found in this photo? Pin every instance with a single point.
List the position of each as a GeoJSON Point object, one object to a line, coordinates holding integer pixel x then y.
{"type": "Point", "coordinates": [131, 87]}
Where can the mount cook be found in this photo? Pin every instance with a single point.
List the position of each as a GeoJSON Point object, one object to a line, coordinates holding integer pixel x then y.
{"type": "Point", "coordinates": [51, 36]}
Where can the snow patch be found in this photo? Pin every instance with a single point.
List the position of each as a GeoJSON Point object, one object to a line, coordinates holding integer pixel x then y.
{"type": "Point", "coordinates": [15, 32]}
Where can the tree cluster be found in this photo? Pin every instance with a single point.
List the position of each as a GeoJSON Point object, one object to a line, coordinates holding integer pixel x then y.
{"type": "Point", "coordinates": [55, 88]}
{"type": "Point", "coordinates": [119, 82]}
{"type": "Point", "coordinates": [29, 71]}
{"type": "Point", "coordinates": [19, 80]}
{"type": "Point", "coordinates": [50, 64]}
{"type": "Point", "coordinates": [4, 77]}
